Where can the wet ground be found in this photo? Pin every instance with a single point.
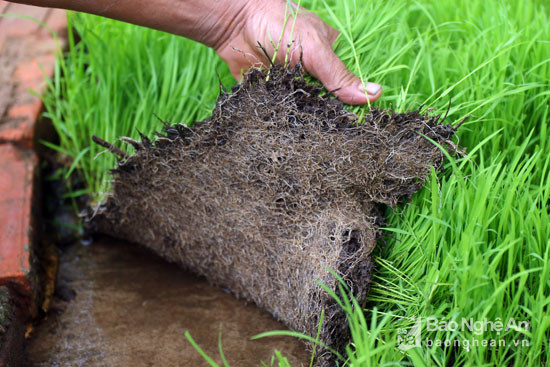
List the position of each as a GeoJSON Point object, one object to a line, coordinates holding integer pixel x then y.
{"type": "Point", "coordinates": [119, 305]}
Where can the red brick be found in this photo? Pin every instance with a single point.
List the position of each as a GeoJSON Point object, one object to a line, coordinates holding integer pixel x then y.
{"type": "Point", "coordinates": [19, 122]}
{"type": "Point", "coordinates": [29, 111]}
{"type": "Point", "coordinates": [18, 27]}
{"type": "Point", "coordinates": [19, 164]}
{"type": "Point", "coordinates": [22, 120]}
{"type": "Point", "coordinates": [20, 135]}
{"type": "Point", "coordinates": [57, 21]}
{"type": "Point", "coordinates": [30, 74]}
{"type": "Point", "coordinates": [4, 6]}
{"type": "Point", "coordinates": [18, 169]}
{"type": "Point", "coordinates": [27, 73]}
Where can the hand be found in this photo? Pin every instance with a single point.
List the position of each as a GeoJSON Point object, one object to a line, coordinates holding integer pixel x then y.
{"type": "Point", "coordinates": [264, 18]}
{"type": "Point", "coordinates": [234, 28]}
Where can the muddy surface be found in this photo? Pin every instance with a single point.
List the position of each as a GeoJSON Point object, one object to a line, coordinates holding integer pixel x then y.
{"type": "Point", "coordinates": [119, 305]}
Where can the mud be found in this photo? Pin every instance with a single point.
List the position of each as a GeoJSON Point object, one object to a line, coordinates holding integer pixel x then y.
{"type": "Point", "coordinates": [119, 305]}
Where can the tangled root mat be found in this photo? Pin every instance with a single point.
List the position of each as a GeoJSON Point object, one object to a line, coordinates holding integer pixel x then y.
{"type": "Point", "coordinates": [277, 188]}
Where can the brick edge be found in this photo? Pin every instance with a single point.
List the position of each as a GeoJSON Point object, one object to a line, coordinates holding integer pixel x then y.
{"type": "Point", "coordinates": [21, 204]}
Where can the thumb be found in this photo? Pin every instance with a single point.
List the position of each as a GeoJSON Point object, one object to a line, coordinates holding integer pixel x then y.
{"type": "Point", "coordinates": [322, 63]}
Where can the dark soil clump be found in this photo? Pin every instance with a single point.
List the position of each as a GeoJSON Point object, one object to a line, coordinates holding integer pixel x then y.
{"type": "Point", "coordinates": [280, 185]}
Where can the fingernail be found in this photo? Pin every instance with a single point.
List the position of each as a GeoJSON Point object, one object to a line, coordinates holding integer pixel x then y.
{"type": "Point", "coordinates": [372, 88]}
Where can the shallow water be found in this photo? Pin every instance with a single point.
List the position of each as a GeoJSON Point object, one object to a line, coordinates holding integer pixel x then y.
{"type": "Point", "coordinates": [131, 308]}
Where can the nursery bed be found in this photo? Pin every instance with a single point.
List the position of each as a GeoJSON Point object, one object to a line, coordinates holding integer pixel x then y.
{"type": "Point", "coordinates": [474, 244]}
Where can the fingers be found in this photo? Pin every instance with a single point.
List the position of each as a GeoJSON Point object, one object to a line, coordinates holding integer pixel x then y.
{"type": "Point", "coordinates": [237, 60]}
{"type": "Point", "coordinates": [314, 38]}
{"type": "Point", "coordinates": [321, 62]}
{"type": "Point", "coordinates": [236, 71]}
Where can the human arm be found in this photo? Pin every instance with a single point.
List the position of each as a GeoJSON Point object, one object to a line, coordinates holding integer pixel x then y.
{"type": "Point", "coordinates": [234, 28]}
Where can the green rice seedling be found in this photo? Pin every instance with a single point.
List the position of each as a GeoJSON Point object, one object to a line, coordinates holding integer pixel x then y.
{"type": "Point", "coordinates": [277, 360]}
{"type": "Point", "coordinates": [113, 81]}
{"type": "Point", "coordinates": [474, 244]}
